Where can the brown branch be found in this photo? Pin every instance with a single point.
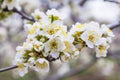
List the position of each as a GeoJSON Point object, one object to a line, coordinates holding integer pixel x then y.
{"type": "Point", "coordinates": [51, 59]}
{"type": "Point", "coordinates": [114, 25]}
{"type": "Point", "coordinates": [24, 16]}
{"type": "Point", "coordinates": [8, 68]}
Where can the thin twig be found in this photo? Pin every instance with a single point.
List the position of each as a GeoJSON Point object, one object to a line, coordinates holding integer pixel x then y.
{"type": "Point", "coordinates": [24, 16]}
{"type": "Point", "coordinates": [112, 1]}
{"type": "Point", "coordinates": [114, 25]}
{"type": "Point", "coordinates": [50, 59]}
{"type": "Point", "coordinates": [8, 68]}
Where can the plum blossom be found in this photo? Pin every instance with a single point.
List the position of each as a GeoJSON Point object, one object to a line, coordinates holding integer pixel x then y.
{"type": "Point", "coordinates": [49, 40]}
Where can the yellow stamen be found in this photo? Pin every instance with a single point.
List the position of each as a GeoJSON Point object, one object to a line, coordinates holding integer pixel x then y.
{"type": "Point", "coordinates": [91, 38]}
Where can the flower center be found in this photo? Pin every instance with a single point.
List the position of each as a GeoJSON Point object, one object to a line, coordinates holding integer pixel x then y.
{"type": "Point", "coordinates": [53, 45]}
{"type": "Point", "coordinates": [38, 17]}
{"type": "Point", "coordinates": [41, 38]}
{"type": "Point", "coordinates": [105, 35]}
{"type": "Point", "coordinates": [91, 38]}
{"type": "Point", "coordinates": [78, 33]}
{"type": "Point", "coordinates": [51, 32]}
{"type": "Point", "coordinates": [101, 47]}
{"type": "Point", "coordinates": [36, 46]}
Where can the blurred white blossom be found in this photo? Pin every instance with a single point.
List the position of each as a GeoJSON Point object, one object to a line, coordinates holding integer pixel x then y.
{"type": "Point", "coordinates": [106, 66]}
{"type": "Point", "coordinates": [100, 10]}
{"type": "Point", "coordinates": [101, 49]}
{"type": "Point", "coordinates": [10, 4]}
{"type": "Point", "coordinates": [31, 5]}
{"type": "Point", "coordinates": [63, 69]}
{"type": "Point", "coordinates": [3, 34]}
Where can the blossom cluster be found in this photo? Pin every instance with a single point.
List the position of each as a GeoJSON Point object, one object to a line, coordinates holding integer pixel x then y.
{"type": "Point", "coordinates": [48, 40]}
{"type": "Point", "coordinates": [92, 35]}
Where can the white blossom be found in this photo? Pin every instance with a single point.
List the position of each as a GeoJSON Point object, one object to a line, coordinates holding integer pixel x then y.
{"type": "Point", "coordinates": [22, 69]}
{"type": "Point", "coordinates": [27, 46]}
{"type": "Point", "coordinates": [33, 29]}
{"type": "Point", "coordinates": [55, 14]}
{"type": "Point", "coordinates": [10, 4]}
{"type": "Point", "coordinates": [107, 33]}
{"type": "Point", "coordinates": [31, 62]}
{"type": "Point", "coordinates": [3, 34]}
{"type": "Point", "coordinates": [41, 17]}
{"type": "Point", "coordinates": [42, 65]}
{"type": "Point", "coordinates": [38, 46]}
{"type": "Point", "coordinates": [55, 46]}
{"type": "Point", "coordinates": [101, 49]}
{"type": "Point", "coordinates": [92, 35]}
{"type": "Point", "coordinates": [64, 57]}
{"type": "Point", "coordinates": [31, 39]}
{"type": "Point", "coordinates": [75, 54]}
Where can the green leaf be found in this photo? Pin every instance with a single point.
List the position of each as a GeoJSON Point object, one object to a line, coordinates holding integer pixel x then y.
{"type": "Point", "coordinates": [52, 18]}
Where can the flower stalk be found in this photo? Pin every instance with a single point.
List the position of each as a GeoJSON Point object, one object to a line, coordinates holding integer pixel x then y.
{"type": "Point", "coordinates": [24, 16]}
{"type": "Point", "coordinates": [8, 68]}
